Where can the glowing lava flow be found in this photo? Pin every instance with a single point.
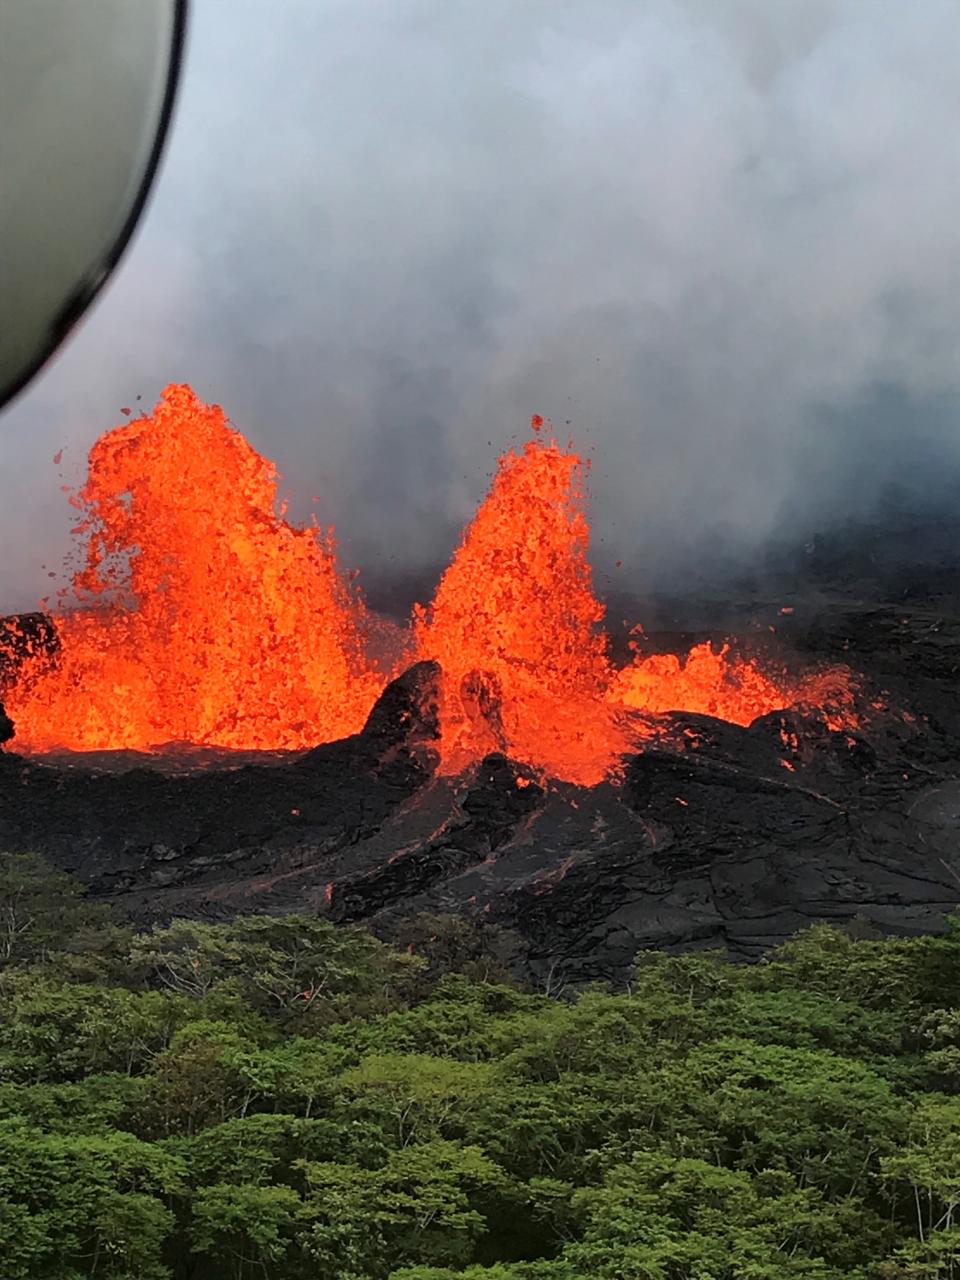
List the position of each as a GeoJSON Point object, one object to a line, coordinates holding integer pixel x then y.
{"type": "Point", "coordinates": [715, 683]}
{"type": "Point", "coordinates": [515, 626]}
{"type": "Point", "coordinates": [207, 617]}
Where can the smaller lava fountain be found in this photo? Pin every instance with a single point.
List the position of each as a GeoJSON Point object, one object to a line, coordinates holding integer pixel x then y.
{"type": "Point", "coordinates": [205, 617]}
{"type": "Point", "coordinates": [717, 683]}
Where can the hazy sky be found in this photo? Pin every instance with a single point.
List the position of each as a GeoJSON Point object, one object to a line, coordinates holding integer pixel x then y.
{"type": "Point", "coordinates": [721, 238]}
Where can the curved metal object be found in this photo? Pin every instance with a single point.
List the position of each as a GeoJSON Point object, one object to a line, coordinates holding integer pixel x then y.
{"type": "Point", "coordinates": [87, 92]}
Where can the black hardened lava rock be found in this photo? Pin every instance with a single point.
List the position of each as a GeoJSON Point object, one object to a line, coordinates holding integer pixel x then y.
{"type": "Point", "coordinates": [24, 637]}
{"type": "Point", "coordinates": [498, 799]}
{"type": "Point", "coordinates": [716, 835]}
{"type": "Point", "coordinates": [141, 833]}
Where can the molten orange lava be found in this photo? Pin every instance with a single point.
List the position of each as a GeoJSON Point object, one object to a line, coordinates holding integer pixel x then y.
{"type": "Point", "coordinates": [515, 626]}
{"type": "Point", "coordinates": [715, 683]}
{"type": "Point", "coordinates": [704, 682]}
{"type": "Point", "coordinates": [207, 617]}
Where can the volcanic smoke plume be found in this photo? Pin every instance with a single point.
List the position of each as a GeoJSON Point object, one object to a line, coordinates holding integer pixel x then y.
{"type": "Point", "coordinates": [201, 615]}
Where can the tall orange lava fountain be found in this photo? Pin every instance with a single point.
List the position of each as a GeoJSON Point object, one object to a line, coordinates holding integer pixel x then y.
{"type": "Point", "coordinates": [207, 617]}
{"type": "Point", "coordinates": [515, 626]}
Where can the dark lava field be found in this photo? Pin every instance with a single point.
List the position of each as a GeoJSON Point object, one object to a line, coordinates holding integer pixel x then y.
{"type": "Point", "coordinates": [716, 836]}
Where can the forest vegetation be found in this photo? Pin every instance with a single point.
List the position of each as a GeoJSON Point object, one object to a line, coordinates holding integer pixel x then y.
{"type": "Point", "coordinates": [280, 1098]}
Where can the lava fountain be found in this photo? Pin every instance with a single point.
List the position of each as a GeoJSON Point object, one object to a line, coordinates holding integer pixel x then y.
{"type": "Point", "coordinates": [718, 683]}
{"type": "Point", "coordinates": [202, 615]}
{"type": "Point", "coordinates": [515, 618]}
{"type": "Point", "coordinates": [205, 616]}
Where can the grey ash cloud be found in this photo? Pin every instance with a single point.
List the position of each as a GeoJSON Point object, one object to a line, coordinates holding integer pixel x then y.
{"type": "Point", "coordinates": [721, 240]}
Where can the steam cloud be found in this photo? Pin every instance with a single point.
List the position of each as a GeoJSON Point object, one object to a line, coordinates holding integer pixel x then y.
{"type": "Point", "coordinates": [720, 239]}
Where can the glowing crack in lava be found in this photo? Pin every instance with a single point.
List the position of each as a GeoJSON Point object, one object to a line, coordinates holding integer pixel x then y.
{"type": "Point", "coordinates": [206, 617]}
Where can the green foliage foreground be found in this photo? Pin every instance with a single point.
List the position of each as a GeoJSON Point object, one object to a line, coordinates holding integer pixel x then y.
{"type": "Point", "coordinates": [279, 1098]}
